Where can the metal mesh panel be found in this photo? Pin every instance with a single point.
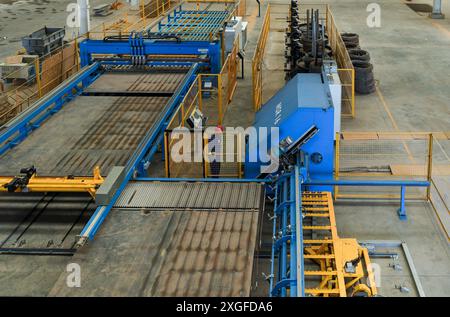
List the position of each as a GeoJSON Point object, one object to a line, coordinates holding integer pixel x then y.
{"type": "Point", "coordinates": [382, 156]}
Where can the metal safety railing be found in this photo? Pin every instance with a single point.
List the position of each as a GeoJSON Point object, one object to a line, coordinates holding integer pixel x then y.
{"type": "Point", "coordinates": [344, 63]}
{"type": "Point", "coordinates": [383, 155]}
{"type": "Point", "coordinates": [229, 73]}
{"type": "Point", "coordinates": [191, 153]}
{"type": "Point", "coordinates": [257, 61]}
{"type": "Point", "coordinates": [211, 94]}
{"type": "Point", "coordinates": [50, 70]}
{"type": "Point", "coordinates": [418, 160]}
{"type": "Point", "coordinates": [347, 77]}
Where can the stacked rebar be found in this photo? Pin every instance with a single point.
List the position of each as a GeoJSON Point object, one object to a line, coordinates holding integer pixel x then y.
{"type": "Point", "coordinates": [306, 42]}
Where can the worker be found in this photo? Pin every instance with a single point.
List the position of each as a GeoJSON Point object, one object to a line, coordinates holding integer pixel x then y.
{"type": "Point", "coordinates": [215, 144]}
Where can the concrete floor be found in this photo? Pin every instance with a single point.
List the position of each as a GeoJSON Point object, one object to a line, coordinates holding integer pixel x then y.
{"type": "Point", "coordinates": [19, 18]}
{"type": "Point", "coordinates": [410, 55]}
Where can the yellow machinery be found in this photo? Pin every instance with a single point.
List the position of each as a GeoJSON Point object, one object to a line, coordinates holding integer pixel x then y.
{"type": "Point", "coordinates": [344, 266]}
{"type": "Point", "coordinates": [28, 181]}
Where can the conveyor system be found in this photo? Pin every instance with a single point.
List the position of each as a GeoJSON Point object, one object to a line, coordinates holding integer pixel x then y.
{"type": "Point", "coordinates": [77, 135]}
{"type": "Point", "coordinates": [110, 116]}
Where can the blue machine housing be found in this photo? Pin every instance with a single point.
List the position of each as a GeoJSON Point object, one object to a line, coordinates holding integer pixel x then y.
{"type": "Point", "coordinates": [304, 101]}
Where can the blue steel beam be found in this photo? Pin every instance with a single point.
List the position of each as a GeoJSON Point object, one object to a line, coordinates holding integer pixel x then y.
{"type": "Point", "coordinates": [383, 183]}
{"type": "Point", "coordinates": [207, 180]}
{"type": "Point", "coordinates": [144, 148]}
{"type": "Point", "coordinates": [288, 239]}
{"type": "Point", "coordinates": [153, 47]}
{"type": "Point", "coordinates": [407, 183]}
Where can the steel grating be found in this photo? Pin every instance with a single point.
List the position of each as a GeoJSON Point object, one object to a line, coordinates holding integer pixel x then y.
{"type": "Point", "coordinates": [168, 253]}
{"type": "Point", "coordinates": [198, 195]}
{"type": "Point", "coordinates": [193, 25]}
{"type": "Point", "coordinates": [42, 220]}
{"type": "Point", "coordinates": [94, 131]}
{"type": "Point", "coordinates": [203, 246]}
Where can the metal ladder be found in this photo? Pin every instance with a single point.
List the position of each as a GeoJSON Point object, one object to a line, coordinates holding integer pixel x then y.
{"type": "Point", "coordinates": [322, 244]}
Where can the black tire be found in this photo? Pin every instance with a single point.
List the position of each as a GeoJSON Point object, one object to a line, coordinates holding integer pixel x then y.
{"type": "Point", "coordinates": [350, 37]}
{"type": "Point", "coordinates": [362, 66]}
{"type": "Point", "coordinates": [359, 54]}
{"type": "Point", "coordinates": [366, 90]}
{"type": "Point", "coordinates": [364, 79]}
{"type": "Point", "coordinates": [351, 46]}
{"type": "Point", "coordinates": [365, 87]}
{"type": "Point", "coordinates": [364, 83]}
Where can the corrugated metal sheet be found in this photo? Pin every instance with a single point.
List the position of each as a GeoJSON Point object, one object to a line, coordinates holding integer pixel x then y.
{"type": "Point", "coordinates": [168, 253]}
{"type": "Point", "coordinates": [199, 195]}
{"type": "Point", "coordinates": [186, 251]}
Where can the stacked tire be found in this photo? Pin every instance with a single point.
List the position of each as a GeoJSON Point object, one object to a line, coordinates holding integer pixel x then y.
{"type": "Point", "coordinates": [351, 40]}
{"type": "Point", "coordinates": [364, 78]}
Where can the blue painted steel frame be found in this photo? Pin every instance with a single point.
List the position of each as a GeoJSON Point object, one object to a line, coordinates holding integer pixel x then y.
{"type": "Point", "coordinates": [288, 238]}
{"type": "Point", "coordinates": [142, 156]}
{"type": "Point", "coordinates": [19, 128]}
{"type": "Point", "coordinates": [384, 183]}
{"type": "Point", "coordinates": [153, 47]}
{"type": "Point", "coordinates": [194, 25]}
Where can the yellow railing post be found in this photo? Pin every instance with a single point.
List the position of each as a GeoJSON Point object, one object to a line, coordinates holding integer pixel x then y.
{"type": "Point", "coordinates": [353, 92]}
{"type": "Point", "coordinates": [205, 155]}
{"type": "Point", "coordinates": [38, 76]}
{"type": "Point", "coordinates": [336, 163]}
{"type": "Point", "coordinates": [200, 95]}
{"type": "Point", "coordinates": [143, 10]}
{"type": "Point", "coordinates": [430, 163]}
{"type": "Point", "coordinates": [166, 153]}
{"type": "Point", "coordinates": [77, 55]}
{"type": "Point", "coordinates": [219, 86]}
{"type": "Point", "coordinates": [182, 114]}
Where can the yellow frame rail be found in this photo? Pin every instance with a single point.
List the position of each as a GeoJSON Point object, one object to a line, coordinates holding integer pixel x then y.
{"type": "Point", "coordinates": [257, 61]}
{"type": "Point", "coordinates": [66, 184]}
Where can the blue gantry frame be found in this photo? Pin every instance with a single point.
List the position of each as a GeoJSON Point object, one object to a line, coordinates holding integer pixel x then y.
{"type": "Point", "coordinates": [152, 47]}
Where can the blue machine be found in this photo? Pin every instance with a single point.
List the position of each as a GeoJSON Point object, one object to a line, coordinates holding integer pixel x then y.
{"type": "Point", "coordinates": [185, 32]}
{"type": "Point", "coordinates": [304, 102]}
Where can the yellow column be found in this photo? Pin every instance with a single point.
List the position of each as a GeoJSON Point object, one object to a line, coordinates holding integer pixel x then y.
{"type": "Point", "coordinates": [336, 163]}
{"type": "Point", "coordinates": [38, 76]}
{"type": "Point", "coordinates": [430, 163]}
{"type": "Point", "coordinates": [219, 86]}
{"type": "Point", "coordinates": [200, 95]}
{"type": "Point", "coordinates": [167, 154]}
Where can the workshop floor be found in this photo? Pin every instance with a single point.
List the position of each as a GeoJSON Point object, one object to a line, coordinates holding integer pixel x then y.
{"type": "Point", "coordinates": [409, 52]}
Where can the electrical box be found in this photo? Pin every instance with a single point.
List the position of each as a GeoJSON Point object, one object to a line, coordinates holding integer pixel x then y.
{"type": "Point", "coordinates": [330, 72]}
{"type": "Point", "coordinates": [232, 31]}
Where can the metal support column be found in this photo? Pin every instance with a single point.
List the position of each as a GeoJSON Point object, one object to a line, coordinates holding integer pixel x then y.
{"type": "Point", "coordinates": [437, 12]}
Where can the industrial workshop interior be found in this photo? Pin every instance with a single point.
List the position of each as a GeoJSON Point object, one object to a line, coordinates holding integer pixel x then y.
{"type": "Point", "coordinates": [225, 149]}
